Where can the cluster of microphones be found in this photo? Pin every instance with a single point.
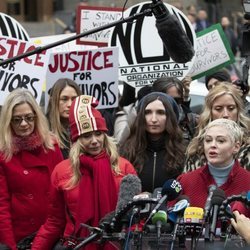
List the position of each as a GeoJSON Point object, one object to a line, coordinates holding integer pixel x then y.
{"type": "Point", "coordinates": [140, 216]}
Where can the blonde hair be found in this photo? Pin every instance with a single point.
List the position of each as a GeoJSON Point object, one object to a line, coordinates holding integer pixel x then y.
{"type": "Point", "coordinates": [235, 132]}
{"type": "Point", "coordinates": [17, 97]}
{"type": "Point", "coordinates": [77, 150]}
{"type": "Point", "coordinates": [243, 121]}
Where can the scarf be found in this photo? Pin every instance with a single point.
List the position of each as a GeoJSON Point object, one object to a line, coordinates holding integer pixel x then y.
{"type": "Point", "coordinates": [97, 191]}
{"type": "Point", "coordinates": [28, 143]}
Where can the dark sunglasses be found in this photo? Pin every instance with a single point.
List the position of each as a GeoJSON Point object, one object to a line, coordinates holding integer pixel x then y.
{"type": "Point", "coordinates": [17, 120]}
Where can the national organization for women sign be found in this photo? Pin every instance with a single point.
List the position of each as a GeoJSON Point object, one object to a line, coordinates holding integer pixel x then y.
{"type": "Point", "coordinates": [142, 55]}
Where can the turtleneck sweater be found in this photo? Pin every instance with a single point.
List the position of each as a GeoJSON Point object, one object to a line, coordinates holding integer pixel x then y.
{"type": "Point", "coordinates": [220, 174]}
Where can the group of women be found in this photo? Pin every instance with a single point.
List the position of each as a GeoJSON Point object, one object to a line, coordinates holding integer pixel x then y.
{"type": "Point", "coordinates": [60, 172]}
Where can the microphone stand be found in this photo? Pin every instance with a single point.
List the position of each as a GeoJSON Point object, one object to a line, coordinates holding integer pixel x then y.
{"type": "Point", "coordinates": [92, 237]}
{"type": "Point", "coordinates": [147, 12]}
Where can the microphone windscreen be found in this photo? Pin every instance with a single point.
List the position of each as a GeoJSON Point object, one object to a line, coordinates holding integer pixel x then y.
{"type": "Point", "coordinates": [161, 216]}
{"type": "Point", "coordinates": [174, 39]}
{"type": "Point", "coordinates": [172, 189]}
{"type": "Point", "coordinates": [129, 187]}
{"type": "Point", "coordinates": [218, 197]}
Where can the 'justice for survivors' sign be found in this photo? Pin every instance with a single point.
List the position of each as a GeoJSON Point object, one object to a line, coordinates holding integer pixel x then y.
{"type": "Point", "coordinates": [96, 72]}
{"type": "Point", "coordinates": [28, 73]}
{"type": "Point", "coordinates": [212, 53]}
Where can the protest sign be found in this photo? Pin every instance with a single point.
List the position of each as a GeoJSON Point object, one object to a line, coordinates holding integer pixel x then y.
{"type": "Point", "coordinates": [90, 17]}
{"type": "Point", "coordinates": [28, 73]}
{"type": "Point", "coordinates": [12, 28]}
{"type": "Point", "coordinates": [143, 57]}
{"type": "Point", "coordinates": [96, 72]}
{"type": "Point", "coordinates": [69, 46]}
{"type": "Point", "coordinates": [212, 52]}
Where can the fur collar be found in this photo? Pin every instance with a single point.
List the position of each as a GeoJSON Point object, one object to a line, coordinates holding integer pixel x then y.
{"type": "Point", "coordinates": [28, 143]}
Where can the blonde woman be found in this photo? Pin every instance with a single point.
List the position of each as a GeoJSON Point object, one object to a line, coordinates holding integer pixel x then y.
{"type": "Point", "coordinates": [223, 101]}
{"type": "Point", "coordinates": [221, 140]}
{"type": "Point", "coordinates": [85, 186]}
{"type": "Point", "coordinates": [28, 155]}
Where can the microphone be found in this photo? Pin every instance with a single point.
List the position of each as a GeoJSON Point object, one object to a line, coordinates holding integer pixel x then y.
{"type": "Point", "coordinates": [207, 206]}
{"type": "Point", "coordinates": [130, 186]}
{"type": "Point", "coordinates": [172, 34]}
{"type": "Point", "coordinates": [243, 197]}
{"type": "Point", "coordinates": [105, 222]}
{"type": "Point", "coordinates": [159, 219]}
{"type": "Point", "coordinates": [170, 191]}
{"type": "Point", "coordinates": [145, 208]}
{"type": "Point", "coordinates": [193, 222]}
{"type": "Point", "coordinates": [175, 215]}
{"type": "Point", "coordinates": [193, 215]}
{"type": "Point", "coordinates": [175, 212]}
{"type": "Point", "coordinates": [157, 193]}
{"type": "Point", "coordinates": [217, 199]}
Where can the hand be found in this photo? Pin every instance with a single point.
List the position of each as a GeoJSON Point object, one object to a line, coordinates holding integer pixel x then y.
{"type": "Point", "coordinates": [238, 89]}
{"type": "Point", "coordinates": [186, 84]}
{"type": "Point", "coordinates": [242, 225]}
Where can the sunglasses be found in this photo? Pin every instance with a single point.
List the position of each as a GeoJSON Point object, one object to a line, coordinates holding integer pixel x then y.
{"type": "Point", "coordinates": [17, 120]}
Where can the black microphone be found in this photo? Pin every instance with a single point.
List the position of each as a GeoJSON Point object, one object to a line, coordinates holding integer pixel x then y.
{"type": "Point", "coordinates": [170, 191]}
{"type": "Point", "coordinates": [172, 34]}
{"type": "Point", "coordinates": [217, 199]}
{"type": "Point", "coordinates": [243, 197]}
{"type": "Point", "coordinates": [207, 206]}
{"type": "Point", "coordinates": [105, 222]}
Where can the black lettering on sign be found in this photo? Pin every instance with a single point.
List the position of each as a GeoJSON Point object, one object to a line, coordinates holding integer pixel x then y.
{"type": "Point", "coordinates": [101, 91]}
{"type": "Point", "coordinates": [11, 81]}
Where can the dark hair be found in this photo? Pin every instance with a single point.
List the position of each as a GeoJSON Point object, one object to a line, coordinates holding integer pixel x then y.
{"type": "Point", "coordinates": [143, 92]}
{"type": "Point", "coordinates": [135, 146]}
{"type": "Point", "coordinates": [128, 95]}
{"type": "Point", "coordinates": [169, 98]}
{"type": "Point", "coordinates": [220, 75]}
{"type": "Point", "coordinates": [164, 83]}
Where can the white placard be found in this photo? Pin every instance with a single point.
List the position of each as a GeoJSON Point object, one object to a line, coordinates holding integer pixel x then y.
{"type": "Point", "coordinates": [28, 73]}
{"type": "Point", "coordinates": [212, 53]}
{"type": "Point", "coordinates": [96, 72]}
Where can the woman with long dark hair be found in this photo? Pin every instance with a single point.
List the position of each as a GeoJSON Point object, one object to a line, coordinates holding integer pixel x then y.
{"type": "Point", "coordinates": [154, 146]}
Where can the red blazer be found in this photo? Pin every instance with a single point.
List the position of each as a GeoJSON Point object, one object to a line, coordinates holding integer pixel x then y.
{"type": "Point", "coordinates": [24, 190]}
{"type": "Point", "coordinates": [59, 223]}
{"type": "Point", "coordinates": [195, 183]}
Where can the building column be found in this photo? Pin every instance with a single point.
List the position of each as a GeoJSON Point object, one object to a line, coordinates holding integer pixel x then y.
{"type": "Point", "coordinates": [3, 6]}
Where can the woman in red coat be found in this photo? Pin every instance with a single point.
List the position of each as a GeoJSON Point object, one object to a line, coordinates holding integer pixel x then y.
{"type": "Point", "coordinates": [220, 140]}
{"type": "Point", "coordinates": [28, 155]}
{"type": "Point", "coordinates": [85, 186]}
